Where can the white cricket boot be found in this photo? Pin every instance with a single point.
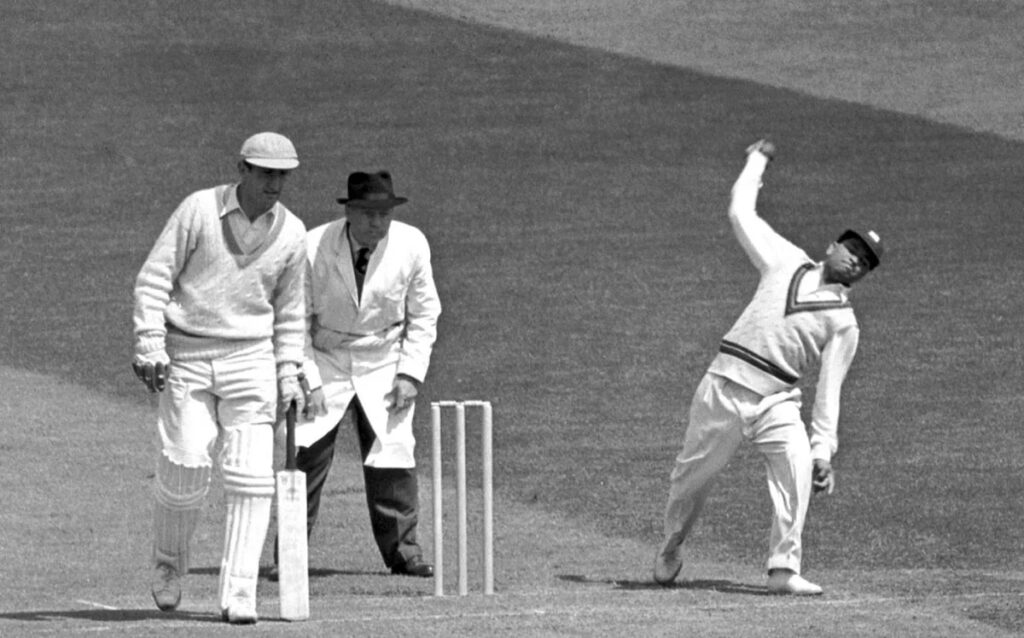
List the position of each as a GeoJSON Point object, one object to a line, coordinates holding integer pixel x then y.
{"type": "Point", "coordinates": [788, 582]}
{"type": "Point", "coordinates": [240, 613]}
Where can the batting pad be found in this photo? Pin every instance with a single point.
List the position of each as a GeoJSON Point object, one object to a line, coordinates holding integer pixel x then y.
{"type": "Point", "coordinates": [179, 493]}
{"type": "Point", "coordinates": [249, 490]}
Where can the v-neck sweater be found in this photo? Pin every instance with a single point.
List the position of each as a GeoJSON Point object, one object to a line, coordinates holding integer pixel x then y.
{"type": "Point", "coordinates": [200, 294]}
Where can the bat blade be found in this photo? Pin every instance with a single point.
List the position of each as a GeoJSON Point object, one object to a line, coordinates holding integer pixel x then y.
{"type": "Point", "coordinates": [292, 551]}
{"type": "Point", "coordinates": [292, 544]}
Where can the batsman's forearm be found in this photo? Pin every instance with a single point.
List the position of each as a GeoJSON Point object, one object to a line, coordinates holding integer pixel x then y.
{"type": "Point", "coordinates": [148, 319]}
{"type": "Point", "coordinates": [290, 320]}
{"type": "Point", "coordinates": [155, 281]}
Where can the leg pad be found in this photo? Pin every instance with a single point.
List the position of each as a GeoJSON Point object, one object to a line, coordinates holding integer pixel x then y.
{"type": "Point", "coordinates": [179, 493]}
{"type": "Point", "coordinates": [246, 464]}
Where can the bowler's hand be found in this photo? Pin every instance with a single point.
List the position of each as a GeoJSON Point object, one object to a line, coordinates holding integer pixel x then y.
{"type": "Point", "coordinates": [152, 369]}
{"type": "Point", "coordinates": [316, 405]}
{"type": "Point", "coordinates": [764, 147]}
{"type": "Point", "coordinates": [402, 395]}
{"type": "Point", "coordinates": [823, 479]}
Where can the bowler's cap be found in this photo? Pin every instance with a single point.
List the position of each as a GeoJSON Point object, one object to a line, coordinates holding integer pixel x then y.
{"type": "Point", "coordinates": [871, 242]}
{"type": "Point", "coordinates": [371, 190]}
{"type": "Point", "coordinates": [270, 150]}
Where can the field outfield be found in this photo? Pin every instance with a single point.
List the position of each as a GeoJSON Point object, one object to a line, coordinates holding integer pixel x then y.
{"type": "Point", "coordinates": [956, 63]}
{"type": "Point", "coordinates": [575, 200]}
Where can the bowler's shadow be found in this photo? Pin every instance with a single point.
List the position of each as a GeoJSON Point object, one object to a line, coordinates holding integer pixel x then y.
{"type": "Point", "coordinates": [722, 586]}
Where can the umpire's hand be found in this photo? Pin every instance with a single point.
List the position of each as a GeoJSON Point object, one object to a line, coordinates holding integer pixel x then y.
{"type": "Point", "coordinates": [152, 369]}
{"type": "Point", "coordinates": [403, 394]}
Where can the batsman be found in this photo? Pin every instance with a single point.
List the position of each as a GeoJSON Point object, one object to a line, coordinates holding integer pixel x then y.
{"type": "Point", "coordinates": [800, 317]}
{"type": "Point", "coordinates": [219, 329]}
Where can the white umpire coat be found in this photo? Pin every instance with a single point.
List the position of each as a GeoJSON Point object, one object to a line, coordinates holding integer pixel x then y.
{"type": "Point", "coordinates": [357, 347]}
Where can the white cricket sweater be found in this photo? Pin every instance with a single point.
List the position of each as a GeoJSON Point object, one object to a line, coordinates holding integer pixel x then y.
{"type": "Point", "coordinates": [779, 336]}
{"type": "Point", "coordinates": [200, 295]}
{"type": "Point", "coordinates": [793, 322]}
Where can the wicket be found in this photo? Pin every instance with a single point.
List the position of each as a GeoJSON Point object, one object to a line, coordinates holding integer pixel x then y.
{"type": "Point", "coordinates": [486, 452]}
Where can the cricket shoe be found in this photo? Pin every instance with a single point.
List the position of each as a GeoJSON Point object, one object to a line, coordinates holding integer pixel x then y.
{"type": "Point", "coordinates": [667, 563]}
{"type": "Point", "coordinates": [789, 583]}
{"type": "Point", "coordinates": [240, 614]}
{"type": "Point", "coordinates": [414, 566]}
{"type": "Point", "coordinates": [166, 587]}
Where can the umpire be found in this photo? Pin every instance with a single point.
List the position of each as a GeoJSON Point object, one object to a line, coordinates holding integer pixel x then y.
{"type": "Point", "coordinates": [372, 311]}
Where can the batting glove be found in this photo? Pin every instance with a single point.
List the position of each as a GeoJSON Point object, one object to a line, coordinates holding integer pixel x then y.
{"type": "Point", "coordinates": [152, 369]}
{"type": "Point", "coordinates": [290, 389]}
{"type": "Point", "coordinates": [823, 478]}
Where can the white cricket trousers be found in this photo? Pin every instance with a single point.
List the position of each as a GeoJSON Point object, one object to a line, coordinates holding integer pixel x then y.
{"type": "Point", "coordinates": [233, 398]}
{"type": "Point", "coordinates": [722, 415]}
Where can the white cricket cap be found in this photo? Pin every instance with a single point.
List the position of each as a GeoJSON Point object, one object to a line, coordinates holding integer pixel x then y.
{"type": "Point", "coordinates": [270, 150]}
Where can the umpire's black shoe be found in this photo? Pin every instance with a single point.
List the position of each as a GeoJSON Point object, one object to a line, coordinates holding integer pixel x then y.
{"type": "Point", "coordinates": [413, 567]}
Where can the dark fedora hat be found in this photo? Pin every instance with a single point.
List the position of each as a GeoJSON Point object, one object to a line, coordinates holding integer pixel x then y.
{"type": "Point", "coordinates": [871, 242]}
{"type": "Point", "coordinates": [371, 190]}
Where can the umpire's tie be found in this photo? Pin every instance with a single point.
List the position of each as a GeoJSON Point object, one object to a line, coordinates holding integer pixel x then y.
{"type": "Point", "coordinates": [362, 259]}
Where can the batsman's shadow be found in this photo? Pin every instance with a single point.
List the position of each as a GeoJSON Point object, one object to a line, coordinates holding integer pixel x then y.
{"type": "Point", "coordinates": [108, 615]}
{"type": "Point", "coordinates": [722, 586]}
{"type": "Point", "coordinates": [314, 572]}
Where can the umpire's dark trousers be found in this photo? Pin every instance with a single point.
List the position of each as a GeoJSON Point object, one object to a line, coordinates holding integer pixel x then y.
{"type": "Point", "coordinates": [392, 494]}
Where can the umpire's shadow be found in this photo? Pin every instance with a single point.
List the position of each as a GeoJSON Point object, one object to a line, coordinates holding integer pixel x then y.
{"type": "Point", "coordinates": [721, 586]}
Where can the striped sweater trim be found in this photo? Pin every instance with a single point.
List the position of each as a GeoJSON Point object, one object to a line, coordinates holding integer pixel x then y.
{"type": "Point", "coordinates": [185, 346]}
{"type": "Point", "coordinates": [793, 306]}
{"type": "Point", "coordinates": [748, 356]}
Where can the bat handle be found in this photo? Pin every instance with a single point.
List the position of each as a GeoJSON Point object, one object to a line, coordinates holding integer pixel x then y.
{"type": "Point", "coordinates": [289, 433]}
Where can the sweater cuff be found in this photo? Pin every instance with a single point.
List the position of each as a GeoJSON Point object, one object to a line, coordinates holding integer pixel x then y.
{"type": "Point", "coordinates": [821, 451]}
{"type": "Point", "coordinates": [149, 343]}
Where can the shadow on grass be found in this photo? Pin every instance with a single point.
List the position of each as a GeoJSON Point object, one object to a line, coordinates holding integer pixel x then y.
{"type": "Point", "coordinates": [110, 615]}
{"type": "Point", "coordinates": [315, 572]}
{"type": "Point", "coordinates": [723, 586]}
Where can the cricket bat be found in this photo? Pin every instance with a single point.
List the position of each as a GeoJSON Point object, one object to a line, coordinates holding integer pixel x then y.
{"type": "Point", "coordinates": [292, 543]}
